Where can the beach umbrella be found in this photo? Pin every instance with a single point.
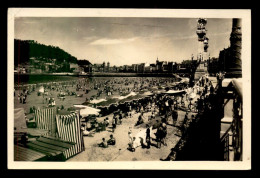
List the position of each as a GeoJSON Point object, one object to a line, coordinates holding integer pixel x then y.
{"type": "Point", "coordinates": [148, 93]}
{"type": "Point", "coordinates": [174, 91]}
{"type": "Point", "coordinates": [86, 110]}
{"type": "Point", "coordinates": [95, 101]}
{"type": "Point", "coordinates": [157, 92]}
{"type": "Point", "coordinates": [192, 95]}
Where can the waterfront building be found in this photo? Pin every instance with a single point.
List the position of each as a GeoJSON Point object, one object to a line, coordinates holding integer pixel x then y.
{"type": "Point", "coordinates": [140, 68]}
{"type": "Point", "coordinates": [147, 68]}
{"type": "Point", "coordinates": [108, 66]}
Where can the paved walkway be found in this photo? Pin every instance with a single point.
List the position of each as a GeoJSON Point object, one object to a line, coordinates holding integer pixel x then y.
{"type": "Point", "coordinates": [119, 151]}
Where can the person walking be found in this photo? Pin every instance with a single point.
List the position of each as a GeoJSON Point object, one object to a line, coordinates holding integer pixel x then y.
{"type": "Point", "coordinates": [148, 137]}
{"type": "Point", "coordinates": [164, 134]}
{"type": "Point", "coordinates": [113, 124]}
{"type": "Point", "coordinates": [174, 116]}
{"type": "Point", "coordinates": [159, 135]}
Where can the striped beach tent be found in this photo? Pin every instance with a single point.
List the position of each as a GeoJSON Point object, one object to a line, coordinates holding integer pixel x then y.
{"type": "Point", "coordinates": [68, 127]}
{"type": "Point", "coordinates": [45, 120]}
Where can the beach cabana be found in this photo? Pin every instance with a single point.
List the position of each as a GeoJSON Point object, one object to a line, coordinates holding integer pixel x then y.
{"type": "Point", "coordinates": [44, 148]}
{"type": "Point", "coordinates": [68, 129]}
{"type": "Point", "coordinates": [20, 126]}
{"type": "Point", "coordinates": [45, 120]}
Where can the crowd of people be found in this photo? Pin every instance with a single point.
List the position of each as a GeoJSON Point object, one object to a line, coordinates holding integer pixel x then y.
{"type": "Point", "coordinates": [159, 107]}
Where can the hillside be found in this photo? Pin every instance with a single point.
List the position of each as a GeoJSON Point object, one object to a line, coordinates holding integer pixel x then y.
{"type": "Point", "coordinates": [26, 49]}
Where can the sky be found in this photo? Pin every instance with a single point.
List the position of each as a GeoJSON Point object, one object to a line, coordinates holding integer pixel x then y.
{"type": "Point", "coordinates": [124, 41]}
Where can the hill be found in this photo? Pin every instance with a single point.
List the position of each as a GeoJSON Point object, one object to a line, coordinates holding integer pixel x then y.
{"type": "Point", "coordinates": [26, 49]}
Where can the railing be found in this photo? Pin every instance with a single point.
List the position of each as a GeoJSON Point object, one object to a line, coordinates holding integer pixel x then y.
{"type": "Point", "coordinates": [225, 142]}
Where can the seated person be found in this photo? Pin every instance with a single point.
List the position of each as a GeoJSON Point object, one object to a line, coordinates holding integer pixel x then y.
{"type": "Point", "coordinates": [89, 126]}
{"type": "Point", "coordinates": [107, 121]}
{"type": "Point", "coordinates": [111, 141]}
{"type": "Point", "coordinates": [132, 145]}
{"type": "Point", "coordinates": [103, 143]}
{"type": "Point", "coordinates": [153, 115]}
{"type": "Point", "coordinates": [96, 126]}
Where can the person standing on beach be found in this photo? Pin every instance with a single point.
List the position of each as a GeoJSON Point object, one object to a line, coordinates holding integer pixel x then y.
{"type": "Point", "coordinates": [174, 116]}
{"type": "Point", "coordinates": [148, 137]}
{"type": "Point", "coordinates": [164, 134]}
{"type": "Point", "coordinates": [159, 135]}
{"type": "Point", "coordinates": [113, 124]}
{"type": "Point", "coordinates": [130, 137]}
{"type": "Point", "coordinates": [120, 118]}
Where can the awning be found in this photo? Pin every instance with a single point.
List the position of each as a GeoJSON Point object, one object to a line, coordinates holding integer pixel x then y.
{"type": "Point", "coordinates": [25, 154]}
{"type": "Point", "coordinates": [45, 148]}
{"type": "Point", "coordinates": [238, 87]}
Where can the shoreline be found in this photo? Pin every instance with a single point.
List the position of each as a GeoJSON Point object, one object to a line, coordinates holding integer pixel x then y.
{"type": "Point", "coordinates": [104, 74]}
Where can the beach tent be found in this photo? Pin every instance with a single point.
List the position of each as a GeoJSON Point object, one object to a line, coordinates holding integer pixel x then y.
{"type": "Point", "coordinates": [45, 119]}
{"type": "Point", "coordinates": [68, 129]}
{"type": "Point", "coordinates": [44, 148]}
{"type": "Point", "coordinates": [19, 119]}
{"type": "Point", "coordinates": [21, 126]}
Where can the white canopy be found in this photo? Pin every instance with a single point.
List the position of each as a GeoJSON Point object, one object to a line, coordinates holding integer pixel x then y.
{"type": "Point", "coordinates": [123, 97]}
{"type": "Point", "coordinates": [95, 101]}
{"type": "Point", "coordinates": [148, 93]}
{"type": "Point", "coordinates": [86, 110]}
{"type": "Point", "coordinates": [41, 90]}
{"type": "Point", "coordinates": [174, 91]}
{"type": "Point", "coordinates": [185, 80]}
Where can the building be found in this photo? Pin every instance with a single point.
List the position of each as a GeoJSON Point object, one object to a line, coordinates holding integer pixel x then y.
{"type": "Point", "coordinates": [159, 65]}
{"type": "Point", "coordinates": [74, 67]}
{"type": "Point", "coordinates": [98, 67]}
{"type": "Point", "coordinates": [147, 68]}
{"type": "Point", "coordinates": [134, 67]}
{"type": "Point", "coordinates": [108, 66]}
{"type": "Point", "coordinates": [153, 66]}
{"type": "Point", "coordinates": [140, 68]}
